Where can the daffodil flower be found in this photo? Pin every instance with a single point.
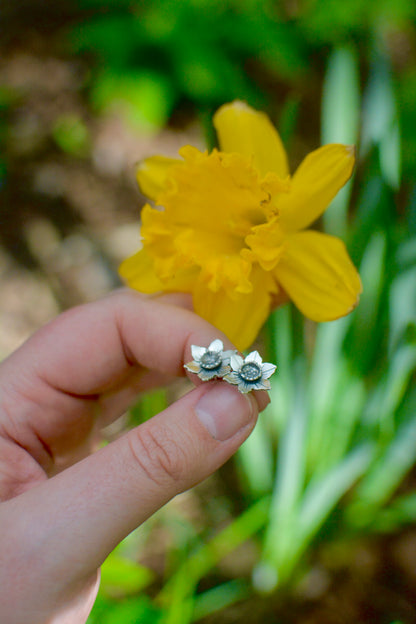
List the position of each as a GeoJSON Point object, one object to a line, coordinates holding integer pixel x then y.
{"type": "Point", "coordinates": [210, 362]}
{"type": "Point", "coordinates": [251, 373]}
{"type": "Point", "coordinates": [230, 227]}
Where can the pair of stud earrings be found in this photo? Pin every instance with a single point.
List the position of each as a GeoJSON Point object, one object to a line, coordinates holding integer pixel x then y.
{"type": "Point", "coordinates": [249, 373]}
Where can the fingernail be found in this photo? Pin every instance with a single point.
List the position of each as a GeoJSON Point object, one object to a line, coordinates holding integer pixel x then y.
{"type": "Point", "coordinates": [224, 411]}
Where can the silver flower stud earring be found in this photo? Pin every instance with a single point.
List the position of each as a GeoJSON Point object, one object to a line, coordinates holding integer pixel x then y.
{"type": "Point", "coordinates": [210, 362]}
{"type": "Point", "coordinates": [250, 373]}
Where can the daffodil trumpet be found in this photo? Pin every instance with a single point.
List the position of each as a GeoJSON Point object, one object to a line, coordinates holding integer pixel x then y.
{"type": "Point", "coordinates": [230, 227]}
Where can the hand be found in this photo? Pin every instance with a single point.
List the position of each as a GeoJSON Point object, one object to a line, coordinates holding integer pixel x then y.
{"type": "Point", "coordinates": [64, 509]}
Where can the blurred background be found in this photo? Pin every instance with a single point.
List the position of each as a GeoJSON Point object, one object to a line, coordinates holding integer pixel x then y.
{"type": "Point", "coordinates": [313, 521]}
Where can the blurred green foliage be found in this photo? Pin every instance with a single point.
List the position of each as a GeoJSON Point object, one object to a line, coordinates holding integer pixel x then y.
{"type": "Point", "coordinates": [71, 135]}
{"type": "Point", "coordinates": [158, 55]}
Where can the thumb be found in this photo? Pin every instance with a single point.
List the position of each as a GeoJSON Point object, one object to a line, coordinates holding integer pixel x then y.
{"type": "Point", "coordinates": [77, 517]}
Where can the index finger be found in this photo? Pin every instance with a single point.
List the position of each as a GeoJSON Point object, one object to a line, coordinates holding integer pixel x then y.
{"type": "Point", "coordinates": [87, 349]}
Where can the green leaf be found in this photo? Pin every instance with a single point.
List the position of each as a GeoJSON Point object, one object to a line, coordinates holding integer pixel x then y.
{"type": "Point", "coordinates": [219, 598]}
{"type": "Point", "coordinates": [121, 576]}
{"type": "Point", "coordinates": [400, 512]}
{"type": "Point", "coordinates": [71, 135]}
{"type": "Point", "coordinates": [322, 495]}
{"type": "Point", "coordinates": [281, 531]}
{"type": "Point", "coordinates": [144, 98]}
{"type": "Point", "coordinates": [364, 340]}
{"type": "Point", "coordinates": [402, 301]}
{"type": "Point", "coordinates": [183, 582]}
{"type": "Point", "coordinates": [340, 121]}
{"type": "Point", "coordinates": [128, 611]}
{"type": "Point", "coordinates": [255, 459]}
{"type": "Point", "coordinates": [327, 367]}
{"type": "Point", "coordinates": [380, 122]}
{"type": "Point", "coordinates": [385, 476]}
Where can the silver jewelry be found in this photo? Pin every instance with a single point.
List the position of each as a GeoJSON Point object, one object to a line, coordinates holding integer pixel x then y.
{"type": "Point", "coordinates": [210, 362]}
{"type": "Point", "coordinates": [250, 373]}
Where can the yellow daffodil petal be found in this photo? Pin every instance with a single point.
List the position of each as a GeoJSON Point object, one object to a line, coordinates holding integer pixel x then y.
{"type": "Point", "coordinates": [243, 130]}
{"type": "Point", "coordinates": [315, 183]}
{"type": "Point", "coordinates": [151, 174]}
{"type": "Point", "coordinates": [318, 275]}
{"type": "Point", "coordinates": [239, 316]}
{"type": "Point", "coordinates": [138, 273]}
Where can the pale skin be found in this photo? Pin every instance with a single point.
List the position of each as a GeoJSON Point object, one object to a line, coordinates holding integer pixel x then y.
{"type": "Point", "coordinates": [64, 508]}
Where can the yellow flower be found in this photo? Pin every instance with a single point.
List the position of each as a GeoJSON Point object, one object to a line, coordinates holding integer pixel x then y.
{"type": "Point", "coordinates": [229, 227]}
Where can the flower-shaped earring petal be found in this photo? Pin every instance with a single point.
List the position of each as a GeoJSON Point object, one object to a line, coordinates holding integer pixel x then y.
{"type": "Point", "coordinates": [250, 373]}
{"type": "Point", "coordinates": [210, 362]}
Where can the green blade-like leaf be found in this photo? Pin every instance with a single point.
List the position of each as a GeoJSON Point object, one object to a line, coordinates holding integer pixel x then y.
{"type": "Point", "coordinates": [387, 473]}
{"type": "Point", "coordinates": [321, 496]}
{"type": "Point", "coordinates": [340, 123]}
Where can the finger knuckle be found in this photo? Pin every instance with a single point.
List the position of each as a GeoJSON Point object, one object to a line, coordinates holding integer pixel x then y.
{"type": "Point", "coordinates": [159, 456]}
